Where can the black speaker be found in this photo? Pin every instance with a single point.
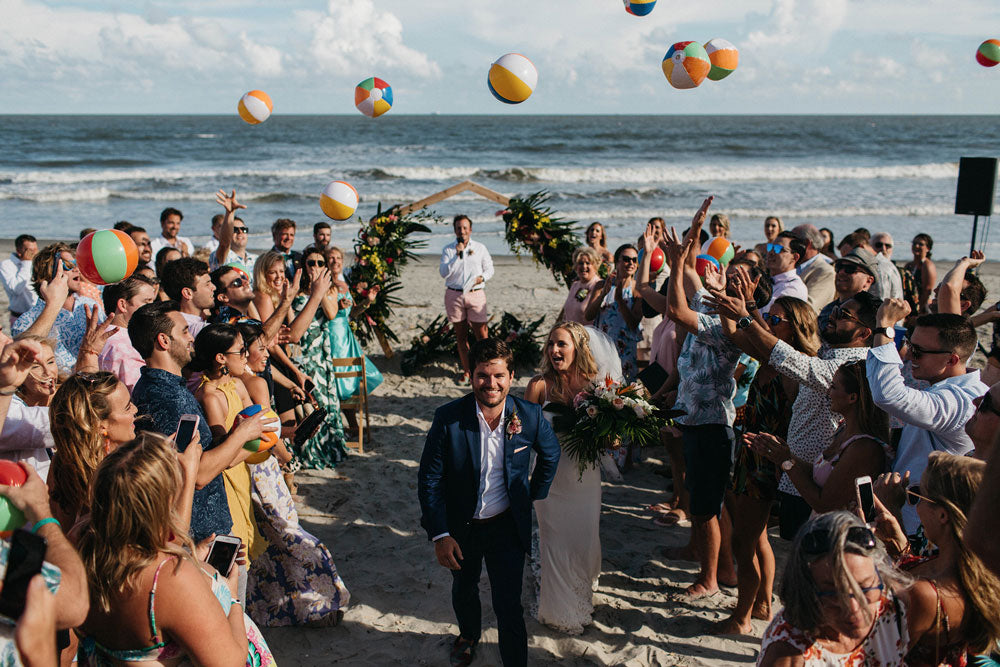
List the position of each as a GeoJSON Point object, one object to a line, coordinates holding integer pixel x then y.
{"type": "Point", "coordinates": [977, 178]}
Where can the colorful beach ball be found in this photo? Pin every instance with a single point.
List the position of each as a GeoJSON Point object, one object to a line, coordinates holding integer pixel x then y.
{"type": "Point", "coordinates": [512, 78]}
{"type": "Point", "coordinates": [686, 65]}
{"type": "Point", "coordinates": [639, 7]}
{"type": "Point", "coordinates": [723, 56]}
{"type": "Point", "coordinates": [702, 262]}
{"type": "Point", "coordinates": [373, 97]}
{"type": "Point", "coordinates": [719, 248]}
{"type": "Point", "coordinates": [255, 107]}
{"type": "Point", "coordinates": [107, 256]}
{"type": "Point", "coordinates": [339, 200]}
{"type": "Point", "coordinates": [656, 260]}
{"type": "Point", "coordinates": [268, 438]}
{"type": "Point", "coordinates": [988, 54]}
{"type": "Point", "coordinates": [11, 518]}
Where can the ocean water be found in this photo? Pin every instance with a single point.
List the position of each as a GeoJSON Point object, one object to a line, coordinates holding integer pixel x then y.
{"type": "Point", "coordinates": [60, 174]}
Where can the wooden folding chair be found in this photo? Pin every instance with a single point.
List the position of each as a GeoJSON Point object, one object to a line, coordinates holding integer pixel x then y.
{"type": "Point", "coordinates": [359, 401]}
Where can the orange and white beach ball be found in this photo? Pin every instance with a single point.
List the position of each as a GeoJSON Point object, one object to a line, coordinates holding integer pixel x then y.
{"type": "Point", "coordinates": [255, 107]}
{"type": "Point", "coordinates": [339, 200]}
{"type": "Point", "coordinates": [686, 65]}
{"type": "Point", "coordinates": [723, 56]}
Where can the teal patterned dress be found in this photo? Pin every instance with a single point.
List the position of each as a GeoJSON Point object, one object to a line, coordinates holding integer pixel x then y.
{"type": "Point", "coordinates": [326, 448]}
{"type": "Point", "coordinates": [345, 344]}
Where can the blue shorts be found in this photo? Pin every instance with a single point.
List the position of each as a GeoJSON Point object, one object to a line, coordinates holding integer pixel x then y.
{"type": "Point", "coordinates": [708, 458]}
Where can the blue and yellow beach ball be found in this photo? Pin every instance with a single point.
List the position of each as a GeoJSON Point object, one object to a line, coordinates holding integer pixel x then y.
{"type": "Point", "coordinates": [373, 97]}
{"type": "Point", "coordinates": [639, 7]}
{"type": "Point", "coordinates": [512, 78]}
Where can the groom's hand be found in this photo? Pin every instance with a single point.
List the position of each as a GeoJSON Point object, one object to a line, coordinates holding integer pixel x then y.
{"type": "Point", "coordinates": [448, 553]}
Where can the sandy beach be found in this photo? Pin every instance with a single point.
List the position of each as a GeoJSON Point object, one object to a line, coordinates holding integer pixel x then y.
{"type": "Point", "coordinates": [366, 511]}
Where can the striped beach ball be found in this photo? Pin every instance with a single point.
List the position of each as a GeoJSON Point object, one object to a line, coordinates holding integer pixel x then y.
{"type": "Point", "coordinates": [686, 65]}
{"type": "Point", "coordinates": [373, 97]}
{"type": "Point", "coordinates": [719, 248]}
{"type": "Point", "coordinates": [339, 200]}
{"type": "Point", "coordinates": [255, 107]}
{"type": "Point", "coordinates": [988, 54]}
{"type": "Point", "coordinates": [639, 7]}
{"type": "Point", "coordinates": [512, 78]}
{"type": "Point", "coordinates": [107, 256]}
{"type": "Point", "coordinates": [723, 56]}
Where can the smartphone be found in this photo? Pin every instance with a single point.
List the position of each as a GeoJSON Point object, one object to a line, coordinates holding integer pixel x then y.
{"type": "Point", "coordinates": [55, 265]}
{"type": "Point", "coordinates": [308, 427]}
{"type": "Point", "coordinates": [186, 427]}
{"type": "Point", "coordinates": [222, 553]}
{"type": "Point", "coordinates": [866, 498]}
{"type": "Point", "coordinates": [310, 386]}
{"type": "Point", "coordinates": [24, 561]}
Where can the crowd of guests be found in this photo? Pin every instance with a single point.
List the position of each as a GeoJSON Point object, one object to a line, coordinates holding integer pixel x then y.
{"type": "Point", "coordinates": [95, 385]}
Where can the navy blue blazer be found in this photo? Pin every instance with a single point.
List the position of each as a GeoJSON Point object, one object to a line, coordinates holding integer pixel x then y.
{"type": "Point", "coordinates": [448, 481]}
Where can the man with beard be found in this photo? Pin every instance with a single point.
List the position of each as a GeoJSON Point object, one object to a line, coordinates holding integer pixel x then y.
{"type": "Point", "coordinates": [854, 272]}
{"type": "Point", "coordinates": [846, 337]}
{"type": "Point", "coordinates": [160, 335]}
{"type": "Point", "coordinates": [170, 226]}
{"type": "Point", "coordinates": [142, 242]}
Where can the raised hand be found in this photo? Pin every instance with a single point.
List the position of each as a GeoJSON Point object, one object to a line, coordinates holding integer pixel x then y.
{"type": "Point", "coordinates": [16, 360]}
{"type": "Point", "coordinates": [677, 251]}
{"type": "Point", "coordinates": [976, 258]}
{"type": "Point", "coordinates": [699, 217]}
{"type": "Point", "coordinates": [57, 289]}
{"type": "Point", "coordinates": [321, 282]}
{"type": "Point", "coordinates": [648, 239]}
{"type": "Point", "coordinates": [97, 332]}
{"type": "Point", "coordinates": [890, 488]}
{"type": "Point", "coordinates": [730, 307]}
{"type": "Point", "coordinates": [891, 311]}
{"type": "Point", "coordinates": [714, 279]}
{"type": "Point", "coordinates": [771, 447]}
{"type": "Point", "coordinates": [228, 202]}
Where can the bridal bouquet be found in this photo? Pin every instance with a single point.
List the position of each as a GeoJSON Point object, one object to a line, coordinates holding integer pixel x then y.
{"type": "Point", "coordinates": [604, 416]}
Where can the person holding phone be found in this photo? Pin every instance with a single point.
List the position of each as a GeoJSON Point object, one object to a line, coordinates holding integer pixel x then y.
{"type": "Point", "coordinates": [466, 265]}
{"type": "Point", "coordinates": [150, 599]}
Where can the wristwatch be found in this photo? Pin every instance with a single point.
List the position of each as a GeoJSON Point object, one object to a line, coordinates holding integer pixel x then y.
{"type": "Point", "coordinates": [744, 322]}
{"type": "Point", "coordinates": [888, 332]}
{"type": "Point", "coordinates": [787, 465]}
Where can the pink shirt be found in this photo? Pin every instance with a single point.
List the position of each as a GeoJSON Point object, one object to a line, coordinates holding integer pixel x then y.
{"type": "Point", "coordinates": [120, 358]}
{"type": "Point", "coordinates": [574, 306]}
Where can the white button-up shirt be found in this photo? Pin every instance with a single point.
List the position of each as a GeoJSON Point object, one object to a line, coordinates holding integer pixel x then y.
{"type": "Point", "coordinates": [159, 243]}
{"type": "Point", "coordinates": [475, 261]}
{"type": "Point", "coordinates": [15, 274]}
{"type": "Point", "coordinates": [788, 284]}
{"type": "Point", "coordinates": [811, 428]}
{"type": "Point", "coordinates": [933, 418]}
{"type": "Point", "coordinates": [26, 436]}
{"type": "Point", "coordinates": [493, 498]}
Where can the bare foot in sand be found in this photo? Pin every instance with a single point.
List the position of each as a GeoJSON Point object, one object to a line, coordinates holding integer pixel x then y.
{"type": "Point", "coordinates": [700, 590]}
{"type": "Point", "coordinates": [761, 610]}
{"type": "Point", "coordinates": [731, 626]}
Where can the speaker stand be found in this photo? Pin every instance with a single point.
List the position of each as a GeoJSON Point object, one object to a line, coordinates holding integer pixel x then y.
{"type": "Point", "coordinates": [975, 227]}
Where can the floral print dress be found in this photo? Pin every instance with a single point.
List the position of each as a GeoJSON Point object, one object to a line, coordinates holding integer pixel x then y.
{"type": "Point", "coordinates": [626, 339]}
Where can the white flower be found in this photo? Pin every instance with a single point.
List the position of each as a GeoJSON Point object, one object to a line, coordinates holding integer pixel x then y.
{"type": "Point", "coordinates": [640, 412]}
{"type": "Point", "coordinates": [618, 403]}
{"type": "Point", "coordinates": [591, 411]}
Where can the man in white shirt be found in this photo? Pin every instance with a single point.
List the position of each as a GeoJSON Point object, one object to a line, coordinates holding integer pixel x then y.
{"type": "Point", "coordinates": [466, 265]}
{"type": "Point", "coordinates": [213, 243]}
{"type": "Point", "coordinates": [233, 237]}
{"type": "Point", "coordinates": [933, 419]}
{"type": "Point", "coordinates": [170, 227]}
{"type": "Point", "coordinates": [882, 243]}
{"type": "Point", "coordinates": [814, 268]}
{"type": "Point", "coordinates": [15, 274]}
{"type": "Point", "coordinates": [782, 255]}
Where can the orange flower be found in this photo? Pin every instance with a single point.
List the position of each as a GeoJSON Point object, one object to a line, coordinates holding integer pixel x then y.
{"type": "Point", "coordinates": [608, 382]}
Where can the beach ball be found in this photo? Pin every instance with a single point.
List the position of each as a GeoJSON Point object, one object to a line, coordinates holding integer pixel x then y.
{"type": "Point", "coordinates": [255, 107]}
{"type": "Point", "coordinates": [719, 248]}
{"type": "Point", "coordinates": [11, 518]}
{"type": "Point", "coordinates": [989, 53]}
{"type": "Point", "coordinates": [686, 65]}
{"type": "Point", "coordinates": [639, 7]}
{"type": "Point", "coordinates": [267, 439]}
{"type": "Point", "coordinates": [723, 56]}
{"type": "Point", "coordinates": [702, 262]}
{"type": "Point", "coordinates": [656, 260]}
{"type": "Point", "coordinates": [339, 200]}
{"type": "Point", "coordinates": [107, 256]}
{"type": "Point", "coordinates": [373, 97]}
{"type": "Point", "coordinates": [512, 78]}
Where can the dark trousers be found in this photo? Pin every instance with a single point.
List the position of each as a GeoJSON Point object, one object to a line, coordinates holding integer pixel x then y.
{"type": "Point", "coordinates": [497, 543]}
{"type": "Point", "coordinates": [793, 512]}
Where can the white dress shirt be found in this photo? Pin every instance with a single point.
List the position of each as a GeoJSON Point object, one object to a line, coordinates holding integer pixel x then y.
{"type": "Point", "coordinates": [933, 418]}
{"type": "Point", "coordinates": [26, 436]}
{"type": "Point", "coordinates": [811, 428]}
{"type": "Point", "coordinates": [15, 274]}
{"type": "Point", "coordinates": [788, 284]}
{"type": "Point", "coordinates": [475, 261]}
{"type": "Point", "coordinates": [159, 243]}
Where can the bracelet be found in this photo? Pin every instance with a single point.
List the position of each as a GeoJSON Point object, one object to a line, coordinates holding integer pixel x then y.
{"type": "Point", "coordinates": [47, 520]}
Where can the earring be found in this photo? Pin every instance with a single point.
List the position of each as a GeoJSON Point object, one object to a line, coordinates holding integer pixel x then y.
{"type": "Point", "coordinates": [225, 370]}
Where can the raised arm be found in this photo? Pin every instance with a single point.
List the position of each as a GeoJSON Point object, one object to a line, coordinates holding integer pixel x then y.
{"type": "Point", "coordinates": [645, 288]}
{"type": "Point", "coordinates": [229, 203]}
{"type": "Point", "coordinates": [981, 534]}
{"type": "Point", "coordinates": [697, 222]}
{"type": "Point", "coordinates": [677, 296]}
{"type": "Point", "coordinates": [318, 288]}
{"type": "Point", "coordinates": [54, 293]}
{"type": "Point", "coordinates": [949, 296]}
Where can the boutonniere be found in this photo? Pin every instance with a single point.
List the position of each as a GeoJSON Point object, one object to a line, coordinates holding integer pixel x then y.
{"type": "Point", "coordinates": [513, 425]}
{"type": "Point", "coordinates": [582, 293]}
{"type": "Point", "coordinates": [469, 252]}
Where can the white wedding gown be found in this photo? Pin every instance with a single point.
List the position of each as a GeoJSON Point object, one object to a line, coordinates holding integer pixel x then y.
{"type": "Point", "coordinates": [569, 550]}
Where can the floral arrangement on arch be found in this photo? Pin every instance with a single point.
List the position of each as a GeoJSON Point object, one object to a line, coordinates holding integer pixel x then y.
{"type": "Point", "coordinates": [437, 339]}
{"type": "Point", "coordinates": [381, 249]}
{"type": "Point", "coordinates": [530, 226]}
{"type": "Point", "coordinates": [603, 417]}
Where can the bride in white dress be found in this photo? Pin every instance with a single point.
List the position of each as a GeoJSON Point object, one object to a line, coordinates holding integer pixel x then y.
{"type": "Point", "coordinates": [569, 518]}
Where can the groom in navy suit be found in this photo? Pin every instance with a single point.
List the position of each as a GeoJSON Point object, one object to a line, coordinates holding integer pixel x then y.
{"type": "Point", "coordinates": [475, 497]}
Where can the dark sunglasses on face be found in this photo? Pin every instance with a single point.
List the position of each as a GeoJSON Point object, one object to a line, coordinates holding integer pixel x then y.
{"type": "Point", "coordinates": [773, 320]}
{"type": "Point", "coordinates": [879, 245]}
{"type": "Point", "coordinates": [817, 543]}
{"type": "Point", "coordinates": [776, 248]}
{"type": "Point", "coordinates": [628, 259]}
{"type": "Point", "coordinates": [315, 262]}
{"type": "Point", "coordinates": [241, 230]}
{"type": "Point", "coordinates": [839, 313]}
{"type": "Point", "coordinates": [848, 268]}
{"type": "Point", "coordinates": [236, 283]}
{"type": "Point", "coordinates": [916, 351]}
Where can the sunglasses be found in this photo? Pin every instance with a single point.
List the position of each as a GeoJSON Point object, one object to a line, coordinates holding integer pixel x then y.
{"type": "Point", "coordinates": [881, 245]}
{"type": "Point", "coordinates": [628, 259]}
{"type": "Point", "coordinates": [239, 282]}
{"type": "Point", "coordinates": [776, 248]}
{"type": "Point", "coordinates": [241, 230]}
{"type": "Point", "coordinates": [917, 352]}
{"type": "Point", "coordinates": [315, 262]}
{"type": "Point", "coordinates": [913, 495]}
{"type": "Point", "coordinates": [243, 351]}
{"type": "Point", "coordinates": [864, 589]}
{"type": "Point", "coordinates": [773, 319]}
{"type": "Point", "coordinates": [817, 543]}
{"type": "Point", "coordinates": [839, 313]}
{"type": "Point", "coordinates": [849, 268]}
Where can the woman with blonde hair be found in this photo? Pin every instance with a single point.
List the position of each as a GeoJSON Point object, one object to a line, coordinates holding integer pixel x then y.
{"type": "Point", "coordinates": [140, 610]}
{"type": "Point", "coordinates": [597, 238]}
{"type": "Point", "coordinates": [772, 227]}
{"type": "Point", "coordinates": [91, 415]}
{"type": "Point", "coordinates": [586, 262]}
{"type": "Point", "coordinates": [569, 550]}
{"type": "Point", "coordinates": [43, 377]}
{"type": "Point", "coordinates": [719, 225]}
{"type": "Point", "coordinates": [268, 281]}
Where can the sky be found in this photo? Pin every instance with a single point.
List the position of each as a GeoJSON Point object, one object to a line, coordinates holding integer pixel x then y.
{"type": "Point", "coordinates": [200, 56]}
